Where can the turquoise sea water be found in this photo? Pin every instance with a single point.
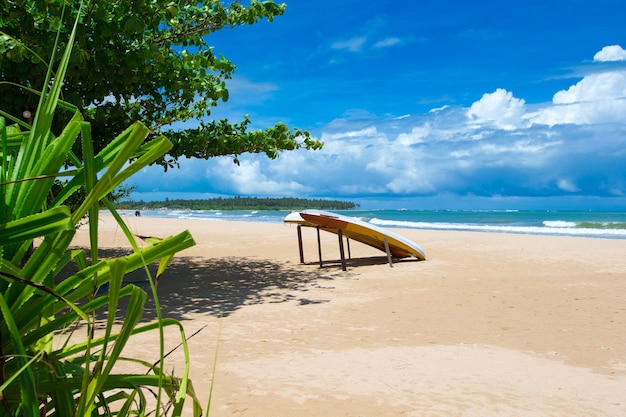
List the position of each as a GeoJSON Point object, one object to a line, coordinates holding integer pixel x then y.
{"type": "Point", "coordinates": [601, 224]}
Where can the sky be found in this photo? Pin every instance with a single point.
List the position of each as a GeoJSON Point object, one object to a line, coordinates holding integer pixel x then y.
{"type": "Point", "coordinates": [429, 104]}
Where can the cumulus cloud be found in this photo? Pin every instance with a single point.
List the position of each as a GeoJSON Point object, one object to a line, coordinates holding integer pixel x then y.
{"type": "Point", "coordinates": [597, 98]}
{"type": "Point", "coordinates": [610, 53]}
{"type": "Point", "coordinates": [499, 108]}
{"type": "Point", "coordinates": [604, 86]}
{"type": "Point", "coordinates": [499, 145]}
{"type": "Point", "coordinates": [417, 135]}
{"type": "Point", "coordinates": [248, 178]}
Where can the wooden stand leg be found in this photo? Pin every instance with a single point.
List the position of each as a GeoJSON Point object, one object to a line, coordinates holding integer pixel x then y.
{"type": "Point", "coordinates": [388, 253]}
{"type": "Point", "coordinates": [348, 243]}
{"type": "Point", "coordinates": [300, 244]}
{"type": "Point", "coordinates": [341, 252]}
{"type": "Point", "coordinates": [319, 245]}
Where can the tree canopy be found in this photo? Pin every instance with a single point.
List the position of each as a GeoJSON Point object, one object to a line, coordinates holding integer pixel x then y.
{"type": "Point", "coordinates": [140, 60]}
{"type": "Point", "coordinates": [242, 203]}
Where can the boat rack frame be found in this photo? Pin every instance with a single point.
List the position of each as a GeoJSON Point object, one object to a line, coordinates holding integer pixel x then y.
{"type": "Point", "coordinates": [341, 246]}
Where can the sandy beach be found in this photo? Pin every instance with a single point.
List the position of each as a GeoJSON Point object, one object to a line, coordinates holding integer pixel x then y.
{"type": "Point", "coordinates": [489, 325]}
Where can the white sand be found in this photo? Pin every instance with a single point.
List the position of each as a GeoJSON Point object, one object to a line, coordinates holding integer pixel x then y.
{"type": "Point", "coordinates": [488, 325]}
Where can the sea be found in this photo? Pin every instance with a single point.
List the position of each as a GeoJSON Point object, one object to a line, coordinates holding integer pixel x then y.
{"type": "Point", "coordinates": [597, 224]}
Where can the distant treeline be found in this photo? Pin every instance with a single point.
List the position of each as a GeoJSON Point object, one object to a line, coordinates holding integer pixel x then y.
{"type": "Point", "coordinates": [241, 203]}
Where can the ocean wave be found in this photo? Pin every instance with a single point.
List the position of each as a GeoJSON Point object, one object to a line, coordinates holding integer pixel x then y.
{"type": "Point", "coordinates": [582, 224]}
{"type": "Point", "coordinates": [585, 225]}
{"type": "Point", "coordinates": [555, 228]}
{"type": "Point", "coordinates": [602, 225]}
{"type": "Point", "coordinates": [559, 224]}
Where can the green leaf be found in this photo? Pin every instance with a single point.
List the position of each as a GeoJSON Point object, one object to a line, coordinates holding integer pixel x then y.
{"type": "Point", "coordinates": [127, 64]}
{"type": "Point", "coordinates": [26, 374]}
{"type": "Point", "coordinates": [30, 227]}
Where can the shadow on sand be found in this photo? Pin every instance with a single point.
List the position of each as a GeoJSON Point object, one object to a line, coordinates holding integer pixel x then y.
{"type": "Point", "coordinates": [221, 286]}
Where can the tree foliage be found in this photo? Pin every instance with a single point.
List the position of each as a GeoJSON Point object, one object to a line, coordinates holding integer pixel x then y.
{"type": "Point", "coordinates": [140, 60]}
{"type": "Point", "coordinates": [243, 203]}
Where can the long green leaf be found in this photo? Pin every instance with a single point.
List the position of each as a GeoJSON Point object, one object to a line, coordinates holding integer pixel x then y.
{"type": "Point", "coordinates": [4, 138]}
{"type": "Point", "coordinates": [121, 381]}
{"type": "Point", "coordinates": [158, 147]}
{"type": "Point", "coordinates": [90, 181]}
{"type": "Point", "coordinates": [40, 133]}
{"type": "Point", "coordinates": [144, 256]}
{"type": "Point", "coordinates": [37, 225]}
{"type": "Point", "coordinates": [68, 317]}
{"type": "Point", "coordinates": [45, 289]}
{"type": "Point", "coordinates": [106, 184]}
{"type": "Point", "coordinates": [26, 376]}
{"type": "Point", "coordinates": [48, 254]}
{"type": "Point", "coordinates": [157, 305]}
{"type": "Point", "coordinates": [62, 400]}
{"type": "Point", "coordinates": [76, 351]}
{"type": "Point", "coordinates": [30, 164]}
{"type": "Point", "coordinates": [5, 387]}
{"type": "Point", "coordinates": [131, 318]}
{"type": "Point", "coordinates": [100, 162]}
{"type": "Point", "coordinates": [32, 194]}
{"type": "Point", "coordinates": [39, 266]}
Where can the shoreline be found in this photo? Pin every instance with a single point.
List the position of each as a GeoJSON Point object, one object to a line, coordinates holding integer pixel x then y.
{"type": "Point", "coordinates": [490, 324]}
{"type": "Point", "coordinates": [610, 225]}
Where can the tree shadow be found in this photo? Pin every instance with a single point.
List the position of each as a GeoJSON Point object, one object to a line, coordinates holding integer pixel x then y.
{"type": "Point", "coordinates": [220, 286]}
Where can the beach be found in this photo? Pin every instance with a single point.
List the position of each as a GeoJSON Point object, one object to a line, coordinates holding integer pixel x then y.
{"type": "Point", "coordinates": [491, 324]}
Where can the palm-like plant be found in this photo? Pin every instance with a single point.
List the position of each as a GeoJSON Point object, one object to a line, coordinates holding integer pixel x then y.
{"type": "Point", "coordinates": [42, 370]}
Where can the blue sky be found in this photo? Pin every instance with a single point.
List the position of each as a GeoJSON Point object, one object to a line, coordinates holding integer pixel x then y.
{"type": "Point", "coordinates": [427, 104]}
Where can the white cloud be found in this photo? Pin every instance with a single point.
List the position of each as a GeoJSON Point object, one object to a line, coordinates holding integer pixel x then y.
{"type": "Point", "coordinates": [597, 98]}
{"type": "Point", "coordinates": [567, 185]}
{"type": "Point", "coordinates": [418, 134]}
{"type": "Point", "coordinates": [385, 43]}
{"type": "Point", "coordinates": [249, 179]}
{"type": "Point", "coordinates": [350, 143]}
{"type": "Point", "coordinates": [610, 53]}
{"type": "Point", "coordinates": [244, 84]}
{"type": "Point", "coordinates": [572, 145]}
{"type": "Point", "coordinates": [358, 43]}
{"type": "Point", "coordinates": [367, 132]}
{"type": "Point", "coordinates": [353, 45]}
{"type": "Point", "coordinates": [499, 108]}
{"type": "Point", "coordinates": [438, 109]}
{"type": "Point", "coordinates": [603, 86]}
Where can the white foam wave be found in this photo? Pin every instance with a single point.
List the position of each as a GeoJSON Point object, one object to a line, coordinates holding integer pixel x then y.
{"type": "Point", "coordinates": [558, 223]}
{"type": "Point", "coordinates": [565, 228]}
{"type": "Point", "coordinates": [210, 219]}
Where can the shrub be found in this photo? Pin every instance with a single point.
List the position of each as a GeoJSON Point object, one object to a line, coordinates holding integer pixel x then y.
{"type": "Point", "coordinates": [44, 371]}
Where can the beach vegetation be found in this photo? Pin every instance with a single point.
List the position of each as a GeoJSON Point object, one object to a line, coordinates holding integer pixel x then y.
{"type": "Point", "coordinates": [141, 60]}
{"type": "Point", "coordinates": [241, 203]}
{"type": "Point", "coordinates": [62, 337]}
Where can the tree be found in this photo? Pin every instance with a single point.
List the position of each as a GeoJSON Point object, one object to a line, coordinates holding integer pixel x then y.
{"type": "Point", "coordinates": [140, 60]}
